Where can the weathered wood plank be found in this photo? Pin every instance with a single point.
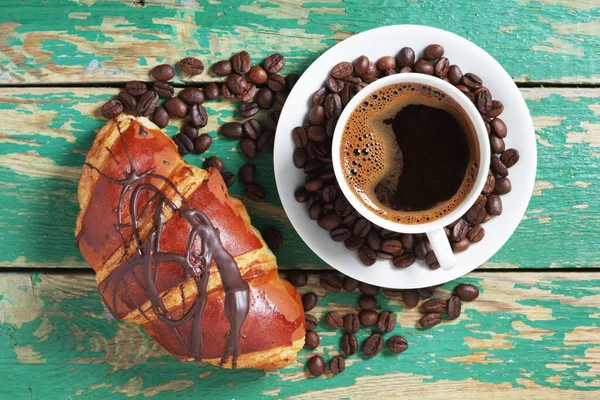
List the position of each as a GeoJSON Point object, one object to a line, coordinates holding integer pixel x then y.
{"type": "Point", "coordinates": [46, 133]}
{"type": "Point", "coordinates": [114, 41]}
{"type": "Point", "coordinates": [534, 331]}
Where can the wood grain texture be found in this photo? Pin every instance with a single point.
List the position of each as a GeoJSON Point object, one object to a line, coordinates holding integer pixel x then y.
{"type": "Point", "coordinates": [539, 332]}
{"type": "Point", "coordinates": [91, 41]}
{"type": "Point", "coordinates": [46, 133]}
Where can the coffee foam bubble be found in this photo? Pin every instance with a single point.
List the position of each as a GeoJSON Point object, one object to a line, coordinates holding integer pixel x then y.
{"type": "Point", "coordinates": [369, 150]}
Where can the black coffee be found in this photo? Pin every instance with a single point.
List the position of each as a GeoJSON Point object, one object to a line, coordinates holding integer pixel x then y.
{"type": "Point", "coordinates": [409, 152]}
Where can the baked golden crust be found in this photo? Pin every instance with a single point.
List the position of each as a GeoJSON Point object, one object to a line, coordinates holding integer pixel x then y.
{"type": "Point", "coordinates": [273, 331]}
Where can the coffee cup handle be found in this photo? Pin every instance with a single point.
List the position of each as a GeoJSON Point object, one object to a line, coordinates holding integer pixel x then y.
{"type": "Point", "coordinates": [441, 247]}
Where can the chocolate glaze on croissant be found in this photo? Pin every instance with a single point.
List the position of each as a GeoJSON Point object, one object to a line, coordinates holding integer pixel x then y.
{"type": "Point", "coordinates": [174, 253]}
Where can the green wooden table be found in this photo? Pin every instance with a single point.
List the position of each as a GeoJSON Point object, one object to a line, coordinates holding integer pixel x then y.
{"type": "Point", "coordinates": [535, 331]}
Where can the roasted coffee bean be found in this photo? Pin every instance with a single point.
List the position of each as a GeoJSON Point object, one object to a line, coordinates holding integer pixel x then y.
{"type": "Point", "coordinates": [404, 260]}
{"type": "Point", "coordinates": [362, 228]}
{"type": "Point", "coordinates": [227, 94]}
{"type": "Point", "coordinates": [397, 344]}
{"type": "Point", "coordinates": [274, 63]}
{"type": "Point", "coordinates": [337, 365]}
{"type": "Point", "coordinates": [367, 303]}
{"type": "Point", "coordinates": [342, 207]}
{"type": "Point", "coordinates": [405, 70]}
{"type": "Point", "coordinates": [374, 239]}
{"type": "Point", "coordinates": [349, 344]}
{"type": "Point", "coordinates": [481, 200]}
{"type": "Point", "coordinates": [128, 101]}
{"type": "Point", "coordinates": [317, 134]}
{"type": "Point", "coordinates": [202, 143]}
{"type": "Point", "coordinates": [367, 256]}
{"type": "Point", "coordinates": [191, 95]}
{"type": "Point", "coordinates": [430, 258]}
{"type": "Point", "coordinates": [330, 193]}
{"type": "Point", "coordinates": [214, 162]}
{"type": "Point", "coordinates": [255, 192]}
{"type": "Point", "coordinates": [373, 345]}
{"type": "Point", "coordinates": [311, 340]}
{"type": "Point", "coordinates": [335, 85]}
{"type": "Point", "coordinates": [423, 67]}
{"type": "Point", "coordinates": [330, 281]}
{"type": "Point", "coordinates": [393, 292]}
{"type": "Point", "coordinates": [421, 249]}
{"type": "Point", "coordinates": [276, 83]}
{"type": "Point", "coordinates": [497, 109]}
{"type": "Point", "coordinates": [496, 144]}
{"type": "Point", "coordinates": [436, 305]}
{"type": "Point", "coordinates": [459, 230]}
{"type": "Point", "coordinates": [509, 157]}
{"type": "Point", "coordinates": [272, 119]}
{"type": "Point", "coordinates": [314, 185]}
{"type": "Point", "coordinates": [248, 109]}
{"type": "Point", "coordinates": [164, 89]}
{"type": "Point", "coordinates": [147, 103]}
{"type": "Point", "coordinates": [252, 129]}
{"type": "Point", "coordinates": [361, 64]}
{"type": "Point", "coordinates": [334, 319]}
{"type": "Point", "coordinates": [410, 297]}
{"type": "Point", "coordinates": [342, 70]}
{"type": "Point", "coordinates": [301, 195]}
{"type": "Point", "coordinates": [476, 214]}
{"type": "Point", "coordinates": [489, 184]}
{"type": "Point", "coordinates": [406, 57]}
{"type": "Point", "coordinates": [330, 221]}
{"type": "Point", "coordinates": [386, 322]}
{"type": "Point", "coordinates": [454, 74]}
{"type": "Point", "coordinates": [351, 323]}
{"type": "Point", "coordinates": [160, 117]}
{"type": "Point", "coordinates": [248, 95]}
{"type": "Point", "coordinates": [369, 290]}
{"type": "Point", "coordinates": [368, 318]}
{"type": "Point", "coordinates": [309, 301]}
{"type": "Point", "coordinates": [384, 256]}
{"type": "Point", "coordinates": [232, 130]}
{"type": "Point", "coordinates": [332, 106]}
{"type": "Point", "coordinates": [264, 98]}
{"type": "Point", "coordinates": [484, 101]}
{"type": "Point", "coordinates": [471, 80]}
{"type": "Point", "coordinates": [466, 292]}
{"type": "Point", "coordinates": [310, 322]}
{"type": "Point", "coordinates": [314, 212]}
{"type": "Point", "coordinates": [386, 62]}
{"type": "Point", "coordinates": [247, 173]}
{"type": "Point", "coordinates": [433, 52]}
{"type": "Point", "coordinates": [241, 62]}
{"type": "Point", "coordinates": [297, 277]}
{"type": "Point", "coordinates": [441, 67]}
{"type": "Point", "coordinates": [499, 128]}
{"type": "Point", "coordinates": [316, 366]}
{"type": "Point", "coordinates": [211, 91]}
{"type": "Point", "coordinates": [430, 320]}
{"type": "Point", "coordinates": [319, 96]}
{"type": "Point", "coordinates": [184, 144]}
{"type": "Point", "coordinates": [392, 246]}
{"type": "Point", "coordinates": [136, 88]}
{"type": "Point", "coordinates": [258, 75]}
{"type": "Point", "coordinates": [237, 83]}
{"type": "Point", "coordinates": [299, 137]}
{"type": "Point", "coordinates": [494, 204]}
{"type": "Point", "coordinates": [198, 116]}
{"type": "Point", "coordinates": [476, 234]}
{"type": "Point", "coordinates": [191, 66]}
{"type": "Point", "coordinates": [249, 148]}
{"type": "Point", "coordinates": [176, 107]}
{"type": "Point", "coordinates": [228, 178]}
{"type": "Point", "coordinates": [454, 306]}
{"type": "Point", "coordinates": [163, 72]}
{"type": "Point", "coordinates": [408, 240]}
{"type": "Point", "coordinates": [463, 245]}
{"type": "Point", "coordinates": [111, 109]}
{"type": "Point", "coordinates": [222, 68]}
{"type": "Point", "coordinates": [190, 131]}
{"type": "Point", "coordinates": [502, 186]}
{"type": "Point", "coordinates": [498, 167]}
{"type": "Point", "coordinates": [281, 97]}
{"type": "Point", "coordinates": [426, 292]}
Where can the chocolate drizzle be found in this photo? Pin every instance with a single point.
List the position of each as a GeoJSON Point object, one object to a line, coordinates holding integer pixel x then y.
{"type": "Point", "coordinates": [203, 246]}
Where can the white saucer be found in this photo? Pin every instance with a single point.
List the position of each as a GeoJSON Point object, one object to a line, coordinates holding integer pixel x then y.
{"type": "Point", "coordinates": [470, 58]}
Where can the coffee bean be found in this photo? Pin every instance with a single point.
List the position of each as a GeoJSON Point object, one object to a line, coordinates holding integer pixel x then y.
{"type": "Point", "coordinates": [163, 72]}
{"type": "Point", "coordinates": [202, 143]}
{"type": "Point", "coordinates": [228, 178]}
{"type": "Point", "coordinates": [334, 319]}
{"type": "Point", "coordinates": [430, 320]}
{"type": "Point", "coordinates": [247, 173]}
{"type": "Point", "coordinates": [192, 95]}
{"type": "Point", "coordinates": [310, 322]}
{"type": "Point", "coordinates": [299, 137]}
{"type": "Point", "coordinates": [311, 340]}
{"type": "Point", "coordinates": [496, 144]}
{"type": "Point", "coordinates": [471, 80]}
{"type": "Point", "coordinates": [392, 246]}
{"type": "Point", "coordinates": [316, 366]}
{"type": "Point", "coordinates": [276, 83]}
{"type": "Point", "coordinates": [147, 103]}
{"type": "Point", "coordinates": [421, 249]}
{"type": "Point", "coordinates": [297, 277]}
{"type": "Point", "coordinates": [454, 306]}
{"type": "Point", "coordinates": [368, 318]}
{"type": "Point", "coordinates": [436, 305]}
{"type": "Point", "coordinates": [314, 185]}
{"type": "Point", "coordinates": [386, 322]}
{"type": "Point", "coordinates": [397, 344]}
{"type": "Point", "coordinates": [404, 260]}
{"type": "Point", "coordinates": [227, 94]}
{"type": "Point", "coordinates": [330, 281]}
{"type": "Point", "coordinates": [351, 323]}
{"type": "Point", "coordinates": [237, 83]}
{"type": "Point", "coordinates": [136, 88]}
{"type": "Point", "coordinates": [374, 239]}
{"type": "Point", "coordinates": [423, 67]}
{"type": "Point", "coordinates": [509, 157]}
{"type": "Point", "coordinates": [476, 214]}
{"type": "Point", "coordinates": [386, 62]}
{"type": "Point", "coordinates": [498, 168]}
{"type": "Point", "coordinates": [184, 144]}
{"type": "Point", "coordinates": [317, 134]}
{"type": "Point", "coordinates": [257, 75]}
{"type": "Point", "coordinates": [393, 292]}
{"type": "Point", "coordinates": [342, 70]}
{"type": "Point", "coordinates": [248, 109]}
{"type": "Point", "coordinates": [232, 130]}
{"type": "Point", "coordinates": [454, 74]}
{"type": "Point", "coordinates": [405, 70]}
{"type": "Point", "coordinates": [442, 67]}
{"type": "Point", "coordinates": [335, 85]}
{"type": "Point", "coordinates": [330, 193]}
{"type": "Point", "coordinates": [410, 297]}
{"type": "Point", "coordinates": [264, 98]}
{"type": "Point", "coordinates": [214, 162]}
{"type": "Point", "coordinates": [367, 256]}
{"type": "Point", "coordinates": [176, 107]}
{"type": "Point", "coordinates": [163, 89]}
{"type": "Point", "coordinates": [484, 101]}
{"type": "Point", "coordinates": [319, 96]}
{"type": "Point", "coordinates": [489, 184]}
{"type": "Point", "coordinates": [426, 292]}
{"type": "Point", "coordinates": [255, 192]}
{"type": "Point", "coordinates": [476, 234]}
{"type": "Point", "coordinates": [332, 106]}
{"type": "Point", "coordinates": [301, 195]}
{"type": "Point", "coordinates": [362, 228]}
{"type": "Point", "coordinates": [384, 256]}
{"type": "Point", "coordinates": [433, 52]}
{"type": "Point", "coordinates": [241, 62]}
{"type": "Point", "coordinates": [463, 245]}
{"type": "Point", "coordinates": [274, 63]}
{"type": "Point", "coordinates": [249, 148]}
{"type": "Point", "coordinates": [211, 91]}
{"type": "Point", "coordinates": [373, 345]}
{"type": "Point", "coordinates": [248, 95]}
{"type": "Point", "coordinates": [459, 231]}
{"type": "Point", "coordinates": [494, 204]}
{"type": "Point", "coordinates": [330, 221]}
{"type": "Point", "coordinates": [497, 109]}
{"type": "Point", "coordinates": [337, 365]}
{"type": "Point", "coordinates": [128, 101]}
{"type": "Point", "coordinates": [349, 344]}
{"type": "Point", "coordinates": [342, 207]}
{"type": "Point", "coordinates": [406, 57]}
{"type": "Point", "coordinates": [367, 303]}
{"type": "Point", "coordinates": [360, 66]}
{"type": "Point", "coordinates": [369, 290]}
{"type": "Point", "coordinates": [111, 109]}
{"type": "Point", "coordinates": [309, 301]}
{"type": "Point", "coordinates": [198, 116]}
{"type": "Point", "coordinates": [466, 292]}
{"type": "Point", "coordinates": [281, 97]}
{"type": "Point", "coordinates": [160, 117]}
{"type": "Point", "coordinates": [502, 186]}
{"type": "Point", "coordinates": [290, 81]}
{"type": "Point", "coordinates": [349, 284]}
{"type": "Point", "coordinates": [314, 212]}
{"type": "Point", "coordinates": [222, 68]}
{"type": "Point", "coordinates": [190, 131]}
{"type": "Point", "coordinates": [191, 66]}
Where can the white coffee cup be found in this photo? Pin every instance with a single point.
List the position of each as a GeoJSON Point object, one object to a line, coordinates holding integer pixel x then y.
{"type": "Point", "coordinates": [434, 229]}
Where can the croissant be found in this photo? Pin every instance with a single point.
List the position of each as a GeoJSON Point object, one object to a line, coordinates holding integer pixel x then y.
{"type": "Point", "coordinates": [174, 253]}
